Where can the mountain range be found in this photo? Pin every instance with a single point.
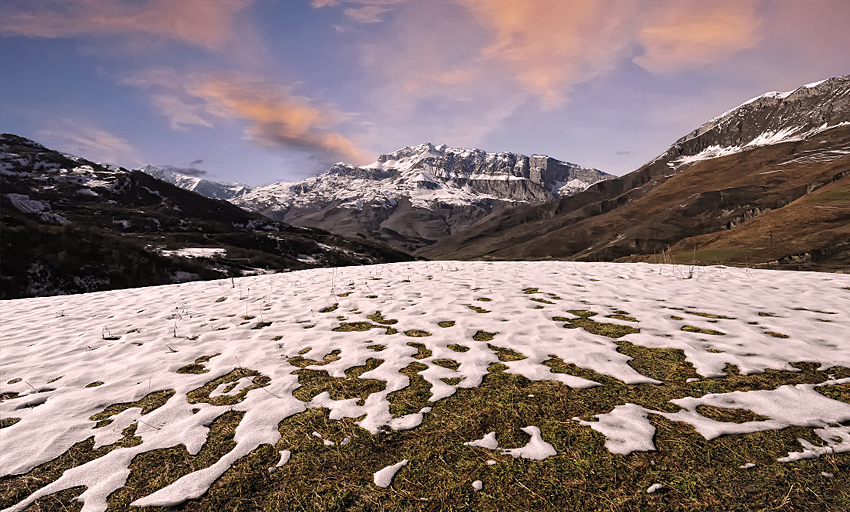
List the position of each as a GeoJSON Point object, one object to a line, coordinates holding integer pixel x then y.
{"type": "Point", "coordinates": [765, 183]}
{"type": "Point", "coordinates": [71, 225]}
{"type": "Point", "coordinates": [417, 195]}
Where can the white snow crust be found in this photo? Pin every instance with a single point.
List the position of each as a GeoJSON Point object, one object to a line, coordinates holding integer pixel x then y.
{"type": "Point", "coordinates": [384, 477]}
{"type": "Point", "coordinates": [53, 347]}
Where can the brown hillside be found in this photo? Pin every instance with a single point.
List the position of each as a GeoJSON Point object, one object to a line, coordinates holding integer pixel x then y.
{"type": "Point", "coordinates": [799, 184]}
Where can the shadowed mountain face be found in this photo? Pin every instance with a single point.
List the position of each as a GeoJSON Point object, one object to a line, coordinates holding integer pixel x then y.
{"type": "Point", "coordinates": [70, 226]}
{"type": "Point", "coordinates": [420, 194]}
{"type": "Point", "coordinates": [764, 183]}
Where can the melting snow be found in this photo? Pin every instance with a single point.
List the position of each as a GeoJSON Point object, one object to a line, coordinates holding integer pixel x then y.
{"type": "Point", "coordinates": [384, 477]}
{"type": "Point", "coordinates": [49, 337]}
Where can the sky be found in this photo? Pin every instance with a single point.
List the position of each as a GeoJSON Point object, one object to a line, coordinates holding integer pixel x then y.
{"type": "Point", "coordinates": [260, 91]}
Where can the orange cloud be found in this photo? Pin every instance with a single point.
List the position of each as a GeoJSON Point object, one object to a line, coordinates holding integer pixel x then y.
{"type": "Point", "coordinates": [692, 33]}
{"type": "Point", "coordinates": [275, 116]}
{"type": "Point", "coordinates": [549, 45]}
{"type": "Point", "coordinates": [205, 23]}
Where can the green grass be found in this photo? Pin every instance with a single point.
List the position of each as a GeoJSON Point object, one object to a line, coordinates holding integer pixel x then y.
{"type": "Point", "coordinates": [484, 336]}
{"type": "Point", "coordinates": [709, 315]}
{"type": "Point", "coordinates": [459, 348]}
{"type": "Point", "coordinates": [446, 323]}
{"type": "Point", "coordinates": [601, 328]}
{"type": "Point", "coordinates": [776, 334]}
{"type": "Point", "coordinates": [202, 394]}
{"type": "Point", "coordinates": [417, 333]}
{"type": "Point", "coordinates": [148, 403]}
{"type": "Point", "coordinates": [700, 330]}
{"type": "Point", "coordinates": [422, 351]}
{"type": "Point", "coordinates": [506, 354]}
{"type": "Point", "coordinates": [697, 474]}
{"type": "Point", "coordinates": [313, 382]}
{"type": "Point", "coordinates": [476, 308]}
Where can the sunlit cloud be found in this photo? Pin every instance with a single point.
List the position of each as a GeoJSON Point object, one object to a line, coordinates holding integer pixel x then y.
{"type": "Point", "coordinates": [205, 23]}
{"type": "Point", "coordinates": [274, 115]}
{"type": "Point", "coordinates": [693, 33]}
{"type": "Point", "coordinates": [81, 139]}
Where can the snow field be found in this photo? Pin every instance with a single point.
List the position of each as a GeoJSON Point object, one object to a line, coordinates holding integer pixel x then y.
{"type": "Point", "coordinates": [52, 348]}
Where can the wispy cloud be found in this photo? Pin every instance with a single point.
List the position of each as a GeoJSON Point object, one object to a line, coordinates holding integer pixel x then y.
{"type": "Point", "coordinates": [693, 33]}
{"type": "Point", "coordinates": [361, 11]}
{"type": "Point", "coordinates": [205, 23]}
{"type": "Point", "coordinates": [274, 115]}
{"type": "Point", "coordinates": [81, 139]}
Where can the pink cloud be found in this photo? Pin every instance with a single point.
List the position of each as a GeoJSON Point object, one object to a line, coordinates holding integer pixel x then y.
{"type": "Point", "coordinates": [274, 115]}
{"type": "Point", "coordinates": [205, 23]}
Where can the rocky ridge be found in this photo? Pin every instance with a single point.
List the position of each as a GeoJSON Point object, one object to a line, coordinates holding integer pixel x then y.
{"type": "Point", "coordinates": [419, 194]}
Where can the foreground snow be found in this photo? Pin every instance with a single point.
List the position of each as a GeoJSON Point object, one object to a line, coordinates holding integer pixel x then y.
{"type": "Point", "coordinates": [134, 341]}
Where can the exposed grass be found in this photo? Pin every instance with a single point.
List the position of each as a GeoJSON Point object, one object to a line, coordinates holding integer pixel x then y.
{"type": "Point", "coordinates": [202, 394]}
{"type": "Point", "coordinates": [458, 348]}
{"type": "Point", "coordinates": [15, 488]}
{"type": "Point", "coordinates": [729, 415]}
{"type": "Point", "coordinates": [697, 474]}
{"type": "Point", "coordinates": [261, 325]}
{"type": "Point", "coordinates": [314, 382]}
{"type": "Point", "coordinates": [594, 327]}
{"type": "Point", "coordinates": [345, 294]}
{"type": "Point", "coordinates": [764, 313]}
{"type": "Point", "coordinates": [221, 299]}
{"type": "Point", "coordinates": [776, 334]}
{"type": "Point", "coordinates": [506, 354]}
{"type": "Point", "coordinates": [8, 422]}
{"type": "Point", "coordinates": [529, 291]}
{"type": "Point", "coordinates": [484, 299]}
{"type": "Point", "coordinates": [302, 362]}
{"type": "Point", "coordinates": [709, 315]}
{"type": "Point", "coordinates": [155, 469]}
{"type": "Point", "coordinates": [484, 336]}
{"type": "Point", "coordinates": [362, 326]}
{"type": "Point", "coordinates": [94, 384]}
{"type": "Point", "coordinates": [377, 348]}
{"type": "Point", "coordinates": [446, 323]}
{"type": "Point", "coordinates": [148, 403]}
{"type": "Point", "coordinates": [447, 363]}
{"type": "Point", "coordinates": [476, 308]}
{"type": "Point", "coordinates": [543, 301]}
{"type": "Point", "coordinates": [700, 330]}
{"type": "Point", "coordinates": [15, 380]}
{"type": "Point", "coordinates": [329, 309]}
{"type": "Point", "coordinates": [415, 396]}
{"type": "Point", "coordinates": [377, 317]}
{"type": "Point", "coordinates": [422, 353]}
{"type": "Point", "coordinates": [417, 333]}
{"type": "Point", "coordinates": [623, 316]}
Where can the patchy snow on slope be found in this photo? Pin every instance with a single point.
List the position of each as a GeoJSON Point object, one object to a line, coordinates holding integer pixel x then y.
{"type": "Point", "coordinates": [54, 348]}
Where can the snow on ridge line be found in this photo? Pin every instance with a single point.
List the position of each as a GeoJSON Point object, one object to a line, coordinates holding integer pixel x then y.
{"type": "Point", "coordinates": [767, 138]}
{"type": "Point", "coordinates": [165, 328]}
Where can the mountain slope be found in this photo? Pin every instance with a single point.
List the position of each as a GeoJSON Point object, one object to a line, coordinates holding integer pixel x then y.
{"type": "Point", "coordinates": [419, 194]}
{"type": "Point", "coordinates": [764, 155]}
{"type": "Point", "coordinates": [207, 188]}
{"type": "Point", "coordinates": [71, 225]}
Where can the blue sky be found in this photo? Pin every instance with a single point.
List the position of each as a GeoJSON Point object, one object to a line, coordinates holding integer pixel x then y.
{"type": "Point", "coordinates": [260, 91]}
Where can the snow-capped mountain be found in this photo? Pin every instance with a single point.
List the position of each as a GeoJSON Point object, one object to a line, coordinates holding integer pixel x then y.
{"type": "Point", "coordinates": [71, 225]}
{"type": "Point", "coordinates": [419, 194]}
{"type": "Point", "coordinates": [771, 118]}
{"type": "Point", "coordinates": [767, 182]}
{"type": "Point", "coordinates": [212, 189]}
